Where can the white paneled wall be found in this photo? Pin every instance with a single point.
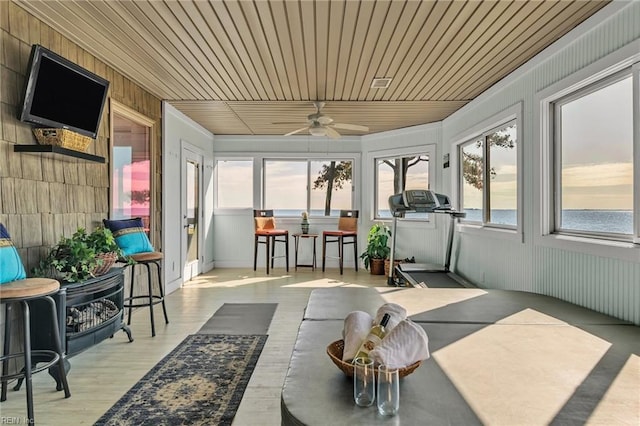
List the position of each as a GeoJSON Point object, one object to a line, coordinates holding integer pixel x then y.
{"type": "Point", "coordinates": [606, 284]}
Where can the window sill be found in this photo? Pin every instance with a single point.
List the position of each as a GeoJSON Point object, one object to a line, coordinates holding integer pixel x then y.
{"type": "Point", "coordinates": [597, 247]}
{"type": "Point", "coordinates": [491, 232]}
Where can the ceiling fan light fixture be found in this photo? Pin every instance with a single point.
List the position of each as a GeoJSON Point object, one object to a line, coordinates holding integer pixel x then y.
{"type": "Point", "coordinates": [317, 131]}
{"type": "Point", "coordinates": [381, 82]}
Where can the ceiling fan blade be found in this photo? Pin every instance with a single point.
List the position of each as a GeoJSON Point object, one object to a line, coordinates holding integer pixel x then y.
{"type": "Point", "coordinates": [297, 131]}
{"type": "Point", "coordinates": [332, 133]}
{"type": "Point", "coordinates": [350, 127]}
{"type": "Point", "coordinates": [287, 122]}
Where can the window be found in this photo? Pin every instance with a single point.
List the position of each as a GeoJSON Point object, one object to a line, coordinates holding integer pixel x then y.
{"type": "Point", "coordinates": [489, 177]}
{"type": "Point", "coordinates": [321, 187]}
{"type": "Point", "coordinates": [396, 174]}
{"type": "Point", "coordinates": [593, 160]}
{"type": "Point", "coordinates": [234, 183]}
{"type": "Point", "coordinates": [131, 160]}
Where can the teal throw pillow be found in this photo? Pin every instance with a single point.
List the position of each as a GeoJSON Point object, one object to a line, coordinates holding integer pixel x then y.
{"type": "Point", "coordinates": [129, 235]}
{"type": "Point", "coordinates": [11, 268]}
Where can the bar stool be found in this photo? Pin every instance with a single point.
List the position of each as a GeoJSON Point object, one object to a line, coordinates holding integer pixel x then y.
{"type": "Point", "coordinates": [135, 245]}
{"type": "Point", "coordinates": [265, 227]}
{"type": "Point", "coordinates": [147, 259]}
{"type": "Point", "coordinates": [23, 292]}
{"type": "Point", "coordinates": [347, 233]}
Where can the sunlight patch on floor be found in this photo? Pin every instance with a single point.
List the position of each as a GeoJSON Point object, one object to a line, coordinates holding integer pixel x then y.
{"type": "Point", "coordinates": [209, 281]}
{"type": "Point", "coordinates": [614, 405]}
{"type": "Point", "coordinates": [510, 374]}
{"type": "Point", "coordinates": [429, 299]}
{"type": "Point", "coordinates": [322, 283]}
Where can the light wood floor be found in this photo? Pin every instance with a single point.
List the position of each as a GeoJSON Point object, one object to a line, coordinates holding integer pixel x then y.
{"type": "Point", "coordinates": [100, 375]}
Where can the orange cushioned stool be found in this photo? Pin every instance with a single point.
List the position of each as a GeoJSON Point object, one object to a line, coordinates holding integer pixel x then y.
{"type": "Point", "coordinates": [347, 233]}
{"type": "Point", "coordinates": [265, 227]}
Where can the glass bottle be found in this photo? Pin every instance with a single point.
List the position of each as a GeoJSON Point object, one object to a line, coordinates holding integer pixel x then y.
{"type": "Point", "coordinates": [376, 334]}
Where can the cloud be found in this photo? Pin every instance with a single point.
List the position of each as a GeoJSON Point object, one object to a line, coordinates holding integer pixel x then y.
{"type": "Point", "coordinates": [596, 175]}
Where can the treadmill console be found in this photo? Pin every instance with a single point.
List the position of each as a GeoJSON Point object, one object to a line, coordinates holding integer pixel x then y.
{"type": "Point", "coordinates": [397, 205]}
{"type": "Point", "coordinates": [420, 200]}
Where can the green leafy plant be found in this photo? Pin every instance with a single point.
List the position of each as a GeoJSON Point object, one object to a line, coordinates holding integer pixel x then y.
{"type": "Point", "coordinates": [76, 259]}
{"type": "Point", "coordinates": [103, 241]}
{"type": "Point", "coordinates": [377, 240]}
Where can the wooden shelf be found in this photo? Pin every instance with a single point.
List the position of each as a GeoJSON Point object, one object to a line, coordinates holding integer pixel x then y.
{"type": "Point", "coordinates": [57, 150]}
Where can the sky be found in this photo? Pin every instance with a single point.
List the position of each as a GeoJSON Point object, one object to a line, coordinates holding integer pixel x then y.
{"type": "Point", "coordinates": [597, 167]}
{"type": "Point", "coordinates": [597, 149]}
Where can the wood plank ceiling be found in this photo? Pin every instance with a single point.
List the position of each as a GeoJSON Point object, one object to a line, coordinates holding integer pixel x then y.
{"type": "Point", "coordinates": [237, 67]}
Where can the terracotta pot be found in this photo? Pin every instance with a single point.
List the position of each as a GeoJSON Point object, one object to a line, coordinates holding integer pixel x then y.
{"type": "Point", "coordinates": [377, 266]}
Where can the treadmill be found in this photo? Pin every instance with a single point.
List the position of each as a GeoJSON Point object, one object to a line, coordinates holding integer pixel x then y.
{"type": "Point", "coordinates": [424, 274]}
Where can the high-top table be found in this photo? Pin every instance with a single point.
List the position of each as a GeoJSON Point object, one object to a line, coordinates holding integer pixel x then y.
{"type": "Point", "coordinates": [497, 357]}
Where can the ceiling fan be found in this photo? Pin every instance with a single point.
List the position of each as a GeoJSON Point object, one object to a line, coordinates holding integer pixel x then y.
{"type": "Point", "coordinates": [319, 124]}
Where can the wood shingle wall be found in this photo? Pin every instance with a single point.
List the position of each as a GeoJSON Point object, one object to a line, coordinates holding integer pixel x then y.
{"type": "Point", "coordinates": [45, 196]}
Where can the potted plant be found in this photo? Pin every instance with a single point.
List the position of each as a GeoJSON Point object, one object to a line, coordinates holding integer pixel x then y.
{"type": "Point", "coordinates": [80, 257]}
{"type": "Point", "coordinates": [107, 250]}
{"type": "Point", "coordinates": [377, 250]}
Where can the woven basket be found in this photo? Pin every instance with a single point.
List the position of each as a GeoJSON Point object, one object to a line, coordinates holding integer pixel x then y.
{"type": "Point", "coordinates": [334, 350]}
{"type": "Point", "coordinates": [108, 259]}
{"type": "Point", "coordinates": [387, 265]}
{"type": "Point", "coordinates": [63, 138]}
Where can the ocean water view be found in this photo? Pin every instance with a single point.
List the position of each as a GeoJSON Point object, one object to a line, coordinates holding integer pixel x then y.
{"type": "Point", "coordinates": [608, 221]}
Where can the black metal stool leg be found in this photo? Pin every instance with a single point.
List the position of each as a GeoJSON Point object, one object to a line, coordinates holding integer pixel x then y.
{"type": "Point", "coordinates": [267, 246]}
{"type": "Point", "coordinates": [27, 359]}
{"type": "Point", "coordinates": [273, 250]}
{"type": "Point", "coordinates": [324, 251]}
{"type": "Point", "coordinates": [255, 252]}
{"type": "Point", "coordinates": [164, 308]}
{"type": "Point", "coordinates": [150, 289]}
{"type": "Point", "coordinates": [130, 301]}
{"type": "Point", "coordinates": [286, 250]}
{"type": "Point", "coordinates": [62, 372]}
{"type": "Point", "coordinates": [6, 348]}
{"type": "Point", "coordinates": [355, 251]}
{"type": "Point", "coordinates": [341, 252]}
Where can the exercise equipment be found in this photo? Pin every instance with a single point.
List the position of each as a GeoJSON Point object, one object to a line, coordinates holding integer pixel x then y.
{"type": "Point", "coordinates": [421, 201]}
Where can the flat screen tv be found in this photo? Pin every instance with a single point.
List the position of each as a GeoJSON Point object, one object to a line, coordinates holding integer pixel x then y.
{"type": "Point", "coordinates": [61, 94]}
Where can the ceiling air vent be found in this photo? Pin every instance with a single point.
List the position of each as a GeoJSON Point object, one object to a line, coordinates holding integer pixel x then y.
{"type": "Point", "coordinates": [381, 82]}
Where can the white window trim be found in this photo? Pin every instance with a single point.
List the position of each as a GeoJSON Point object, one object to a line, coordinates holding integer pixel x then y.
{"type": "Point", "coordinates": [626, 57]}
{"type": "Point", "coordinates": [492, 230]}
{"type": "Point", "coordinates": [118, 108]}
{"type": "Point", "coordinates": [228, 210]}
{"type": "Point", "coordinates": [342, 156]}
{"type": "Point", "coordinates": [431, 151]}
{"type": "Point", "coordinates": [556, 131]}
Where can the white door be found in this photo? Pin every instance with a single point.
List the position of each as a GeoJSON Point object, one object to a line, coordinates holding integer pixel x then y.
{"type": "Point", "coordinates": [191, 213]}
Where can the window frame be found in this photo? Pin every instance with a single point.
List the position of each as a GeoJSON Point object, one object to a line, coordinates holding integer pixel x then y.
{"type": "Point", "coordinates": [496, 122]}
{"type": "Point", "coordinates": [625, 57]}
{"type": "Point", "coordinates": [556, 160]}
{"type": "Point", "coordinates": [122, 110]}
{"type": "Point", "coordinates": [216, 183]}
{"type": "Point", "coordinates": [428, 151]}
{"type": "Point", "coordinates": [306, 159]}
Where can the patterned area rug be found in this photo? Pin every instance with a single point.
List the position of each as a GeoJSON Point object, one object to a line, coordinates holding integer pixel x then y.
{"type": "Point", "coordinates": [200, 382]}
